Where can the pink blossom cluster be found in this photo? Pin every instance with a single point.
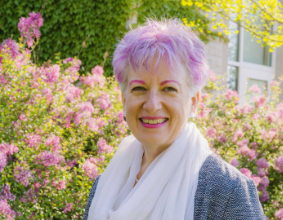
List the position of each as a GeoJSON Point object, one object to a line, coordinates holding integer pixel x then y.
{"type": "Point", "coordinates": [255, 89]}
{"type": "Point", "coordinates": [104, 101]}
{"type": "Point", "coordinates": [231, 95]}
{"type": "Point", "coordinates": [103, 147]}
{"type": "Point", "coordinates": [73, 92]}
{"type": "Point", "coordinates": [22, 174]}
{"type": "Point", "coordinates": [47, 93]}
{"type": "Point", "coordinates": [47, 158]}
{"type": "Point", "coordinates": [246, 109]}
{"type": "Point", "coordinates": [279, 214]}
{"type": "Point", "coordinates": [239, 133]}
{"type": "Point", "coordinates": [9, 46]}
{"type": "Point", "coordinates": [59, 185]}
{"type": "Point", "coordinates": [6, 211]}
{"type": "Point", "coordinates": [72, 71]}
{"type": "Point", "coordinates": [53, 141]}
{"type": "Point", "coordinates": [96, 77]}
{"type": "Point", "coordinates": [5, 193]}
{"type": "Point", "coordinates": [244, 150]}
{"type": "Point", "coordinates": [279, 164]}
{"type": "Point", "coordinates": [234, 162]}
{"type": "Point", "coordinates": [50, 74]}
{"type": "Point", "coordinates": [262, 167]}
{"type": "Point", "coordinates": [6, 150]}
{"type": "Point", "coordinates": [68, 207]}
{"type": "Point", "coordinates": [260, 101]}
{"type": "Point", "coordinates": [33, 140]}
{"type": "Point", "coordinates": [90, 169]}
{"type": "Point", "coordinates": [29, 27]}
{"type": "Point", "coordinates": [29, 196]}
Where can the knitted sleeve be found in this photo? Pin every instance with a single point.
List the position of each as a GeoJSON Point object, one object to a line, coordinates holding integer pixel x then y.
{"type": "Point", "coordinates": [90, 197]}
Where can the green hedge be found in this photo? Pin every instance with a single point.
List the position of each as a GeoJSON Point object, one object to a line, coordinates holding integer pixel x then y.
{"type": "Point", "coordinates": [99, 23]}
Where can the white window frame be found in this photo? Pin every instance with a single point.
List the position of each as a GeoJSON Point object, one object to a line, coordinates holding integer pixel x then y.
{"type": "Point", "coordinates": [250, 70]}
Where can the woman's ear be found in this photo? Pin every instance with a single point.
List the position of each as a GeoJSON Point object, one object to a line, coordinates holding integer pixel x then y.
{"type": "Point", "coordinates": [123, 100]}
{"type": "Point", "coordinates": [195, 101]}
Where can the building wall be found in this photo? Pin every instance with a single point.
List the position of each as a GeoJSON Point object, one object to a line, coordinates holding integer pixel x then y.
{"type": "Point", "coordinates": [217, 56]}
{"type": "Point", "coordinates": [279, 68]}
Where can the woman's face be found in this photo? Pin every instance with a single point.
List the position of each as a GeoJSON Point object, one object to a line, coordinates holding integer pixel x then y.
{"type": "Point", "coordinates": [158, 104]}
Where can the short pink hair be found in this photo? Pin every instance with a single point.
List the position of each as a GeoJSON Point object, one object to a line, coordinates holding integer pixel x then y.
{"type": "Point", "coordinates": [168, 39]}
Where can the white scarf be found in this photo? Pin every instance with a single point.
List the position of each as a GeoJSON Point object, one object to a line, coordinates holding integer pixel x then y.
{"type": "Point", "coordinates": [165, 191]}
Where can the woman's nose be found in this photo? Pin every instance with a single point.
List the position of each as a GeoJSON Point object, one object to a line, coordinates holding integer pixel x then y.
{"type": "Point", "coordinates": [153, 103]}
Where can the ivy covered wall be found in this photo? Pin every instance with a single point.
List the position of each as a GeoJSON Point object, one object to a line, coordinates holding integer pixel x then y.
{"type": "Point", "coordinates": [89, 29]}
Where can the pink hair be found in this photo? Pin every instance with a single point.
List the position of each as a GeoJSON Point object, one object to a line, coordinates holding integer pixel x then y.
{"type": "Point", "coordinates": [168, 39]}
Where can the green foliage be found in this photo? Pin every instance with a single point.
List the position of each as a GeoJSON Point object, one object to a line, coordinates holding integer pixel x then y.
{"type": "Point", "coordinates": [69, 23]}
{"type": "Point", "coordinates": [174, 9]}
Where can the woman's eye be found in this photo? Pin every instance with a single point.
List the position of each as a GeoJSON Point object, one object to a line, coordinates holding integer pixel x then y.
{"type": "Point", "coordinates": [138, 89]}
{"type": "Point", "coordinates": [169, 89]}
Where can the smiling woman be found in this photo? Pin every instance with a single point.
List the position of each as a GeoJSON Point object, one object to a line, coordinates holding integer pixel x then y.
{"type": "Point", "coordinates": [165, 169]}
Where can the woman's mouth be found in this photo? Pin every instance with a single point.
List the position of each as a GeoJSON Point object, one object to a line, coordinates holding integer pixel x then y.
{"type": "Point", "coordinates": [153, 122]}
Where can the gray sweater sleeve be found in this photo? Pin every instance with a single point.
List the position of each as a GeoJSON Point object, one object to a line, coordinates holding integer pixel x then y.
{"type": "Point", "coordinates": [90, 197]}
{"type": "Point", "coordinates": [244, 203]}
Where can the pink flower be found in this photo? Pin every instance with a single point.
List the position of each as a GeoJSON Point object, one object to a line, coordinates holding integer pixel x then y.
{"type": "Point", "coordinates": [23, 117]}
{"type": "Point", "coordinates": [104, 102]}
{"type": "Point", "coordinates": [259, 100]}
{"type": "Point", "coordinates": [238, 133]}
{"type": "Point", "coordinates": [279, 214]}
{"type": "Point", "coordinates": [264, 196]}
{"type": "Point", "coordinates": [264, 181]}
{"type": "Point", "coordinates": [33, 140]}
{"type": "Point", "coordinates": [97, 70]}
{"type": "Point", "coordinates": [246, 172]}
{"type": "Point", "coordinates": [271, 116]}
{"type": "Point", "coordinates": [6, 211]}
{"type": "Point", "coordinates": [212, 76]}
{"type": "Point", "coordinates": [3, 161]}
{"type": "Point", "coordinates": [90, 169]}
{"type": "Point", "coordinates": [62, 185]}
{"type": "Point", "coordinates": [280, 111]}
{"type": "Point", "coordinates": [255, 89]}
{"type": "Point", "coordinates": [53, 141]}
{"type": "Point", "coordinates": [252, 154]}
{"type": "Point", "coordinates": [92, 124]}
{"type": "Point", "coordinates": [256, 179]}
{"type": "Point", "coordinates": [51, 73]}
{"type": "Point", "coordinates": [86, 107]}
{"type": "Point", "coordinates": [231, 95]}
{"type": "Point", "coordinates": [262, 163]}
{"type": "Point", "coordinates": [73, 92]}
{"type": "Point", "coordinates": [234, 162]}
{"type": "Point", "coordinates": [247, 127]}
{"type": "Point", "coordinates": [210, 132]}
{"type": "Point", "coordinates": [47, 93]}
{"type": "Point", "coordinates": [100, 123]}
{"type": "Point", "coordinates": [68, 207]}
{"type": "Point", "coordinates": [279, 164]}
{"type": "Point", "coordinates": [10, 47]}
{"type": "Point", "coordinates": [246, 109]}
{"type": "Point", "coordinates": [243, 143]}
{"type": "Point", "coordinates": [49, 159]}
{"type": "Point", "coordinates": [254, 145]}
{"type": "Point", "coordinates": [261, 172]}
{"type": "Point", "coordinates": [255, 116]}
{"type": "Point", "coordinates": [22, 174]}
{"type": "Point", "coordinates": [222, 139]}
{"type": "Point", "coordinates": [29, 27]}
{"type": "Point", "coordinates": [243, 150]}
{"type": "Point", "coordinates": [5, 193]}
{"type": "Point", "coordinates": [103, 147]}
{"type": "Point", "coordinates": [273, 83]}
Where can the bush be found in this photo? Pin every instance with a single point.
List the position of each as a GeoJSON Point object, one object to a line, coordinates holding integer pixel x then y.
{"type": "Point", "coordinates": [59, 131]}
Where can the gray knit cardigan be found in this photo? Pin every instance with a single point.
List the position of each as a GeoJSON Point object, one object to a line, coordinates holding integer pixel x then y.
{"type": "Point", "coordinates": [222, 193]}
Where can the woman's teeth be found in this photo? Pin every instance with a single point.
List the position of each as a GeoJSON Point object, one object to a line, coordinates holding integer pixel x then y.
{"type": "Point", "coordinates": [156, 121]}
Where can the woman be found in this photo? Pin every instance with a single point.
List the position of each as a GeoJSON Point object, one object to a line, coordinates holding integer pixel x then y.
{"type": "Point", "coordinates": [165, 169]}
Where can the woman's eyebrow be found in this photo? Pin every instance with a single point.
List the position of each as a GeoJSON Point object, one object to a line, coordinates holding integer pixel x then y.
{"type": "Point", "coordinates": [137, 81]}
{"type": "Point", "coordinates": [167, 81]}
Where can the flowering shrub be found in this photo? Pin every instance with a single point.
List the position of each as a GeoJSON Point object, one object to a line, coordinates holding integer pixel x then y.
{"type": "Point", "coordinates": [249, 136]}
{"type": "Point", "coordinates": [59, 130]}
